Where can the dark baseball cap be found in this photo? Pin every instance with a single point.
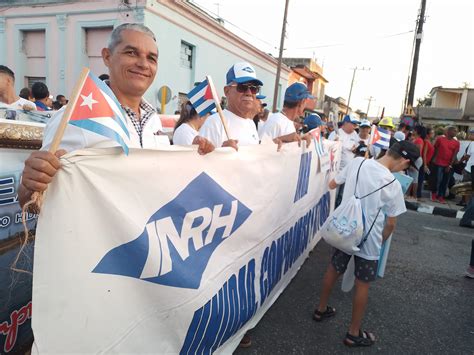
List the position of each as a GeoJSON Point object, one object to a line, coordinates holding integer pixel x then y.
{"type": "Point", "coordinates": [408, 150]}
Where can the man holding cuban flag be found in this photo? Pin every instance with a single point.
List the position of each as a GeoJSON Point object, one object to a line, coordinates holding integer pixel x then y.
{"type": "Point", "coordinates": [132, 59]}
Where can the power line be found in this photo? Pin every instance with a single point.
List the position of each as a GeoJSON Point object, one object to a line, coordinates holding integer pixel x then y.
{"type": "Point", "coordinates": [346, 43]}
{"type": "Point", "coordinates": [234, 25]}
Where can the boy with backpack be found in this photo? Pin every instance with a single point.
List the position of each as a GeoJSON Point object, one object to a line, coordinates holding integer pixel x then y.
{"type": "Point", "coordinates": [372, 183]}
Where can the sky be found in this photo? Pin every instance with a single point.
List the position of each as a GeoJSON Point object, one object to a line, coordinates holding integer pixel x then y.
{"type": "Point", "coordinates": [375, 34]}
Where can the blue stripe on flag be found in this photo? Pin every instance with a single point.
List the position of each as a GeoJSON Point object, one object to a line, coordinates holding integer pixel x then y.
{"type": "Point", "coordinates": [198, 88]}
{"type": "Point", "coordinates": [382, 144]}
{"type": "Point", "coordinates": [208, 109]}
{"type": "Point", "coordinates": [383, 131]}
{"type": "Point", "coordinates": [102, 130]}
{"type": "Point", "coordinates": [199, 101]}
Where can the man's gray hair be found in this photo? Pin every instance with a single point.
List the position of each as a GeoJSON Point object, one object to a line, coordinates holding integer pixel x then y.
{"type": "Point", "coordinates": [116, 35]}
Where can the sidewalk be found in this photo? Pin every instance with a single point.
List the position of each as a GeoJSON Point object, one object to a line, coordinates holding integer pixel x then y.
{"type": "Point", "coordinates": [425, 205]}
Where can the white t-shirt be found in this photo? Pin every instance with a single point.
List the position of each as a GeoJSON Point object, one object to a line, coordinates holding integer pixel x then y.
{"type": "Point", "coordinates": [18, 104]}
{"type": "Point", "coordinates": [261, 128]}
{"type": "Point", "coordinates": [333, 136]}
{"type": "Point", "coordinates": [184, 135]}
{"type": "Point", "coordinates": [242, 129]}
{"type": "Point", "coordinates": [77, 138]}
{"type": "Point", "coordinates": [348, 142]}
{"type": "Point", "coordinates": [278, 125]}
{"type": "Point", "coordinates": [470, 162]}
{"type": "Point", "coordinates": [372, 176]}
{"type": "Point", "coordinates": [365, 140]}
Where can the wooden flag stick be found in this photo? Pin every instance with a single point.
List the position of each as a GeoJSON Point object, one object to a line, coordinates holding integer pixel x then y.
{"type": "Point", "coordinates": [218, 105]}
{"type": "Point", "coordinates": [58, 136]}
{"type": "Point", "coordinates": [371, 137]}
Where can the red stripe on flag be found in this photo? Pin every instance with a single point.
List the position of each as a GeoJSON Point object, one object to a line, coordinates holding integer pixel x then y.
{"type": "Point", "coordinates": [208, 93]}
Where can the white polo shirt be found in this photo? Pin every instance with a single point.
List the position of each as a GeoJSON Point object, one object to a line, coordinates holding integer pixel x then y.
{"type": "Point", "coordinates": [348, 142]}
{"type": "Point", "coordinates": [242, 129]}
{"type": "Point", "coordinates": [278, 125]}
{"type": "Point", "coordinates": [77, 138]}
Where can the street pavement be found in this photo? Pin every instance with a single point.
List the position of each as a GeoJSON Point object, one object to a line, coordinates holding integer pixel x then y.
{"type": "Point", "coordinates": [423, 305]}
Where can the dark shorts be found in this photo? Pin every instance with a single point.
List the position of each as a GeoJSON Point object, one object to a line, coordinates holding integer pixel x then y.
{"type": "Point", "coordinates": [365, 270]}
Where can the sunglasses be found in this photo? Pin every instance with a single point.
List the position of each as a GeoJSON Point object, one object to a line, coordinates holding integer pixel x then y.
{"type": "Point", "coordinates": [242, 88]}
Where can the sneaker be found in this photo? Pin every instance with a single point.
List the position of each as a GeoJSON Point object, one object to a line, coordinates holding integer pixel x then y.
{"type": "Point", "coordinates": [470, 272]}
{"type": "Point", "coordinates": [434, 197]}
{"type": "Point", "coordinates": [442, 200]}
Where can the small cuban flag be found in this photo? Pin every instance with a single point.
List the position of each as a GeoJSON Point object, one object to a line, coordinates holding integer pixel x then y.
{"type": "Point", "coordinates": [380, 137]}
{"type": "Point", "coordinates": [98, 110]}
{"type": "Point", "coordinates": [201, 98]}
{"type": "Point", "coordinates": [318, 142]}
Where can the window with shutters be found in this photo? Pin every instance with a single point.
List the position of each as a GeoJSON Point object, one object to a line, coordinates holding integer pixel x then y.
{"type": "Point", "coordinates": [186, 55]}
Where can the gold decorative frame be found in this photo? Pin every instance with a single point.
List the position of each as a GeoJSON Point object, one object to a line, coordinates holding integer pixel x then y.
{"type": "Point", "coordinates": [20, 135]}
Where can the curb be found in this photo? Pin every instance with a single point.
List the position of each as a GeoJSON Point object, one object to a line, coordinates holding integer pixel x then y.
{"type": "Point", "coordinates": [439, 211]}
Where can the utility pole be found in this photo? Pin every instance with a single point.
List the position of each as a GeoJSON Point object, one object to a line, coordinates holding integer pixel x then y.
{"type": "Point", "coordinates": [414, 69]}
{"type": "Point", "coordinates": [352, 85]}
{"type": "Point", "coordinates": [370, 99]}
{"type": "Point", "coordinates": [280, 58]}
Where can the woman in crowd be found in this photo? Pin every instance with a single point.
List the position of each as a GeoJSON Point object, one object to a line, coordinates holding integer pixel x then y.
{"type": "Point", "coordinates": [187, 127]}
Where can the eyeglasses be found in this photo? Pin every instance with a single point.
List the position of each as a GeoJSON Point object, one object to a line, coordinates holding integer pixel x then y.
{"type": "Point", "coordinates": [242, 88]}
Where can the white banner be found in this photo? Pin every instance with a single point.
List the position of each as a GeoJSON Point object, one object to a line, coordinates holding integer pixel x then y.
{"type": "Point", "coordinates": [169, 251]}
{"type": "Point", "coordinates": [15, 290]}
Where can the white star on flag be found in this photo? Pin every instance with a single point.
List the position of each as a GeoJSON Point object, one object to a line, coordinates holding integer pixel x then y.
{"type": "Point", "coordinates": [88, 101]}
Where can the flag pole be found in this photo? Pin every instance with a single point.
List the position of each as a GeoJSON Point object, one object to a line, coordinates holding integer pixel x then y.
{"type": "Point", "coordinates": [58, 136]}
{"type": "Point", "coordinates": [218, 105]}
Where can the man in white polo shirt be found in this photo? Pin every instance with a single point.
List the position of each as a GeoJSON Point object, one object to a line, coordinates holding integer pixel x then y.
{"type": "Point", "coordinates": [349, 139]}
{"type": "Point", "coordinates": [240, 91]}
{"type": "Point", "coordinates": [283, 123]}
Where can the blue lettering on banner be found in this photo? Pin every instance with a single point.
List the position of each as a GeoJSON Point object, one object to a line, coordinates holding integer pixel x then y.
{"type": "Point", "coordinates": [7, 191]}
{"type": "Point", "coordinates": [278, 258]}
{"type": "Point", "coordinates": [179, 239]}
{"type": "Point", "coordinates": [303, 176]}
{"type": "Point", "coordinates": [222, 316]}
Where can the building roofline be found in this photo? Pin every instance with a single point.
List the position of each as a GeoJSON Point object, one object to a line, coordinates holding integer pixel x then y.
{"type": "Point", "coordinates": [193, 13]}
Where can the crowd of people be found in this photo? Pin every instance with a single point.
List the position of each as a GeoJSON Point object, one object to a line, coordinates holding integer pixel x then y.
{"type": "Point", "coordinates": [132, 59]}
{"type": "Point", "coordinates": [36, 98]}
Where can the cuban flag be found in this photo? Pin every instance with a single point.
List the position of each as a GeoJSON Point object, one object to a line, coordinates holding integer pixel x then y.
{"type": "Point", "coordinates": [201, 98]}
{"type": "Point", "coordinates": [318, 142]}
{"type": "Point", "coordinates": [98, 110]}
{"type": "Point", "coordinates": [379, 137]}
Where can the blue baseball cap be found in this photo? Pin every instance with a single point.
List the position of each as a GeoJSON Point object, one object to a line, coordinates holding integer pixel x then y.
{"type": "Point", "coordinates": [350, 119]}
{"type": "Point", "coordinates": [242, 73]}
{"type": "Point", "coordinates": [297, 92]}
{"type": "Point", "coordinates": [313, 121]}
{"type": "Point", "coordinates": [260, 97]}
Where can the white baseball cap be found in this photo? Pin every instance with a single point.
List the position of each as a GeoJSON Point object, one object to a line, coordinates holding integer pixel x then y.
{"type": "Point", "coordinates": [242, 73]}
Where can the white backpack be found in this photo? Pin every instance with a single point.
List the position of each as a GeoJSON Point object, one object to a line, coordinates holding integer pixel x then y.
{"type": "Point", "coordinates": [344, 229]}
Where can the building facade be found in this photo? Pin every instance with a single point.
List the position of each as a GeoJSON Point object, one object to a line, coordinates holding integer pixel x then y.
{"type": "Point", "coordinates": [51, 41]}
{"type": "Point", "coordinates": [310, 73]}
{"type": "Point", "coordinates": [450, 106]}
